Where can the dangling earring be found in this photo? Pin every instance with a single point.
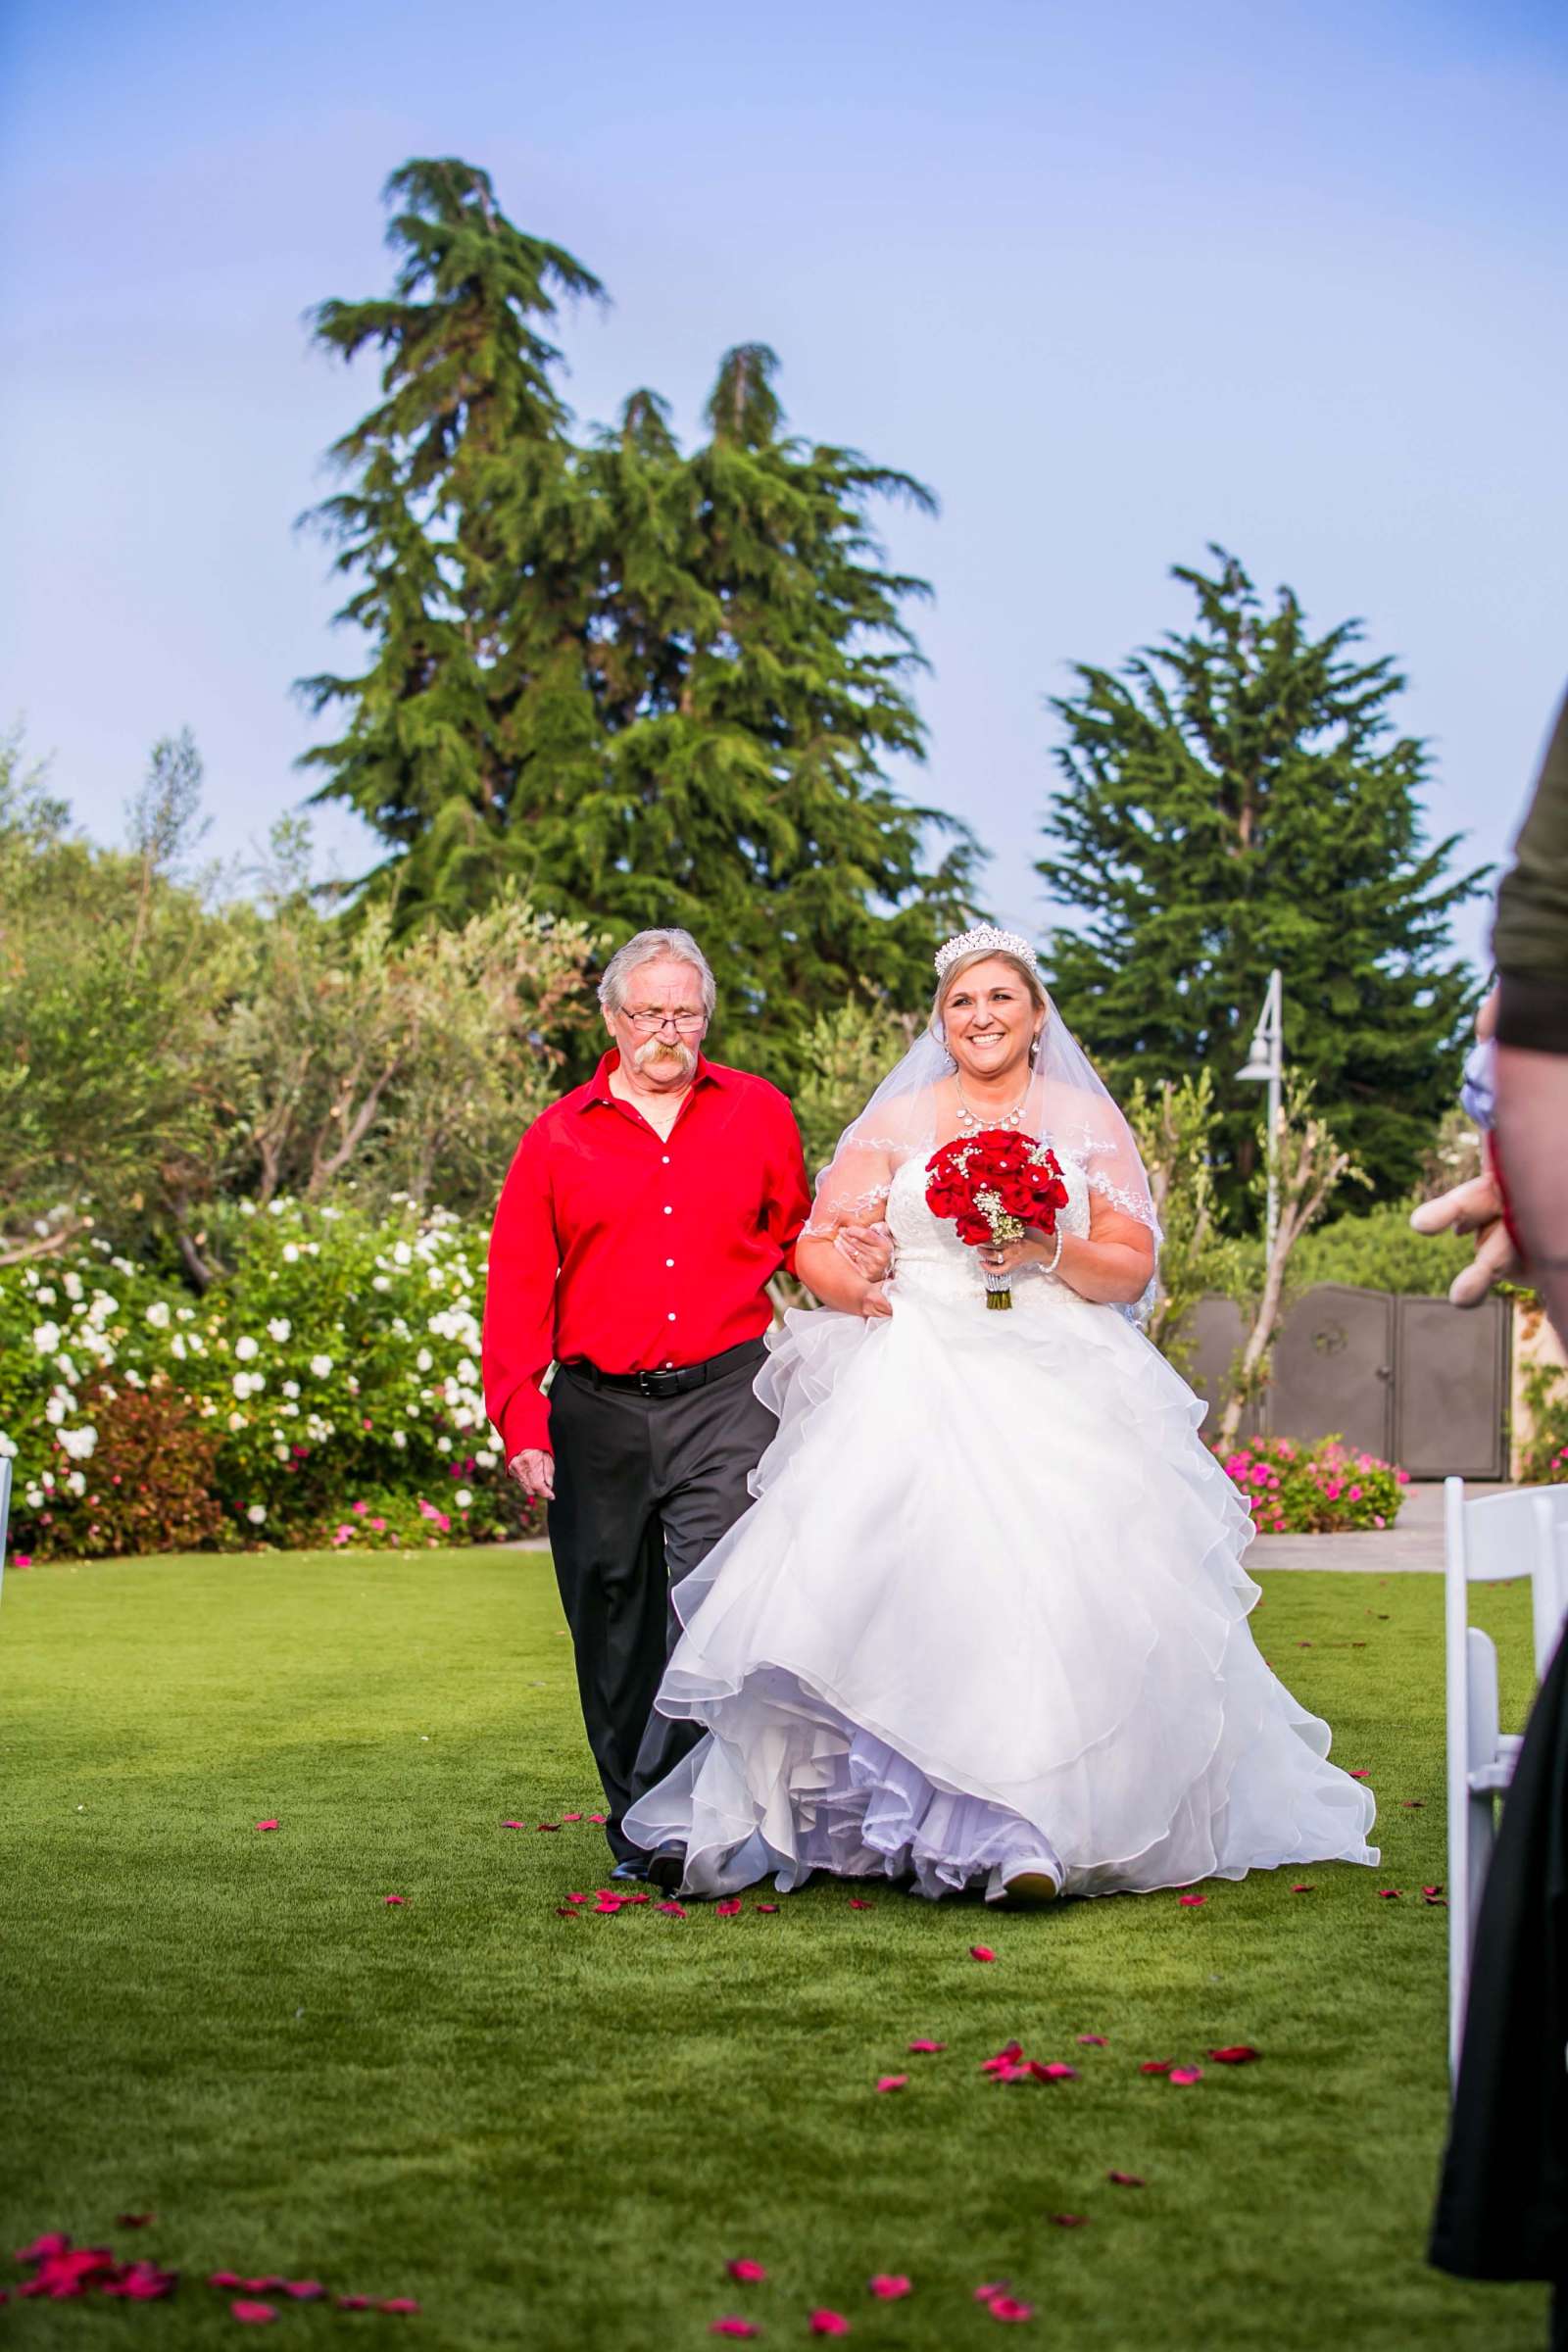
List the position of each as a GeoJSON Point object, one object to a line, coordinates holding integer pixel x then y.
{"type": "Point", "coordinates": [1034, 1047]}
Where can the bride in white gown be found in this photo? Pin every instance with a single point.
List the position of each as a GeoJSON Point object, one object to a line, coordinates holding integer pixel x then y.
{"type": "Point", "coordinates": [985, 1622]}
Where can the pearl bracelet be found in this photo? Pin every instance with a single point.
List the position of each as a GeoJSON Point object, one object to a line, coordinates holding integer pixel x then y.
{"type": "Point", "coordinates": [1056, 1259]}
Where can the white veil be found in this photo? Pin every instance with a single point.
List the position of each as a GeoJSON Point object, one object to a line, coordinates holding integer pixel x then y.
{"type": "Point", "coordinates": [1065, 1105]}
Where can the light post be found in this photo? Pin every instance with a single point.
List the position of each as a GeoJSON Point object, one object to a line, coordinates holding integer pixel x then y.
{"type": "Point", "coordinates": [1265, 1063]}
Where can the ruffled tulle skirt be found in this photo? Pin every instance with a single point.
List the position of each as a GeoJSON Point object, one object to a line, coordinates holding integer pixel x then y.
{"type": "Point", "coordinates": [987, 1610]}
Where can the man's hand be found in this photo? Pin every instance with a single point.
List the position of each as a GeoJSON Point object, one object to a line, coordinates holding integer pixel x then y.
{"type": "Point", "coordinates": [534, 1472]}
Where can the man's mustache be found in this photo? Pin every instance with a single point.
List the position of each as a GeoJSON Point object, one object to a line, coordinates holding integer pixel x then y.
{"type": "Point", "coordinates": [657, 1048]}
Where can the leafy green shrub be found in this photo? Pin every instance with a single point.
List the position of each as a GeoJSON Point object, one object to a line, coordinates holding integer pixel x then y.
{"type": "Point", "coordinates": [1381, 1252]}
{"type": "Point", "coordinates": [338, 1359]}
{"type": "Point", "coordinates": [1327, 1489]}
{"type": "Point", "coordinates": [1543, 1459]}
{"type": "Point", "coordinates": [151, 1483]}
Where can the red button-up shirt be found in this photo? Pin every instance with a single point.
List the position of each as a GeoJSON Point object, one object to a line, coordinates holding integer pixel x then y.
{"type": "Point", "coordinates": [632, 1249]}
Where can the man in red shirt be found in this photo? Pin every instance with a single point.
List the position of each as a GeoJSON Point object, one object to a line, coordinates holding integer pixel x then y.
{"type": "Point", "coordinates": [638, 1229]}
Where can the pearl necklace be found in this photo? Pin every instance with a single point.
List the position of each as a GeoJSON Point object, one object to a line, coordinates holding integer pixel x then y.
{"type": "Point", "coordinates": [971, 1123]}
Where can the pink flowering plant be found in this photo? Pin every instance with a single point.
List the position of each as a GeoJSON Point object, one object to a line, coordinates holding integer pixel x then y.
{"type": "Point", "coordinates": [1326, 1489]}
{"type": "Point", "coordinates": [336, 1362]}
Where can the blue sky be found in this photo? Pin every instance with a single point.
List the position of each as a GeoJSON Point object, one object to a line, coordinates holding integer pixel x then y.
{"type": "Point", "coordinates": [1115, 280]}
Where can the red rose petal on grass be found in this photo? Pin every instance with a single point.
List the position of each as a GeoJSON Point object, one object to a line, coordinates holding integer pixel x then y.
{"type": "Point", "coordinates": [598, 1817]}
{"type": "Point", "coordinates": [1056, 2069]}
{"type": "Point", "coordinates": [1360, 1776]}
{"type": "Point", "coordinates": [1009, 2055]}
{"type": "Point", "coordinates": [1094, 2042]}
{"type": "Point", "coordinates": [1184, 2077]}
{"type": "Point", "coordinates": [1305, 1889]}
{"type": "Point", "coordinates": [253, 2314]}
{"type": "Point", "coordinates": [1127, 2180]}
{"type": "Point", "coordinates": [992, 2287]}
{"type": "Point", "coordinates": [1428, 1891]}
{"type": "Point", "coordinates": [268, 1824]}
{"type": "Point", "coordinates": [571, 1817]}
{"type": "Point", "coordinates": [892, 2081]}
{"type": "Point", "coordinates": [1412, 1804]}
{"type": "Point", "coordinates": [732, 2327]}
{"type": "Point", "coordinates": [672, 1910]}
{"type": "Point", "coordinates": [564, 1911]}
{"type": "Point", "coordinates": [356, 2302]}
{"type": "Point", "coordinates": [829, 2323]}
{"type": "Point", "coordinates": [271, 2284]}
{"type": "Point", "coordinates": [512, 1825]}
{"type": "Point", "coordinates": [1156, 2066]}
{"type": "Point", "coordinates": [749, 2273]}
{"type": "Point", "coordinates": [43, 2249]}
{"type": "Point", "coordinates": [765, 1906]}
{"type": "Point", "coordinates": [1234, 2053]}
{"type": "Point", "coordinates": [888, 2285]}
{"type": "Point", "coordinates": [1388, 1894]}
{"type": "Point", "coordinates": [981, 1951]}
{"type": "Point", "coordinates": [394, 1898]}
{"type": "Point", "coordinates": [546, 1825]}
{"type": "Point", "coordinates": [1070, 2221]}
{"type": "Point", "coordinates": [577, 1898]}
{"type": "Point", "coordinates": [305, 2291]}
{"type": "Point", "coordinates": [1190, 1902]}
{"type": "Point", "coordinates": [730, 1909]}
{"type": "Point", "coordinates": [140, 2221]}
{"type": "Point", "coordinates": [142, 2283]}
{"type": "Point", "coordinates": [857, 1902]}
{"type": "Point", "coordinates": [402, 2303]}
{"type": "Point", "coordinates": [225, 2278]}
{"type": "Point", "coordinates": [1007, 2307]}
{"type": "Point", "coordinates": [927, 2049]}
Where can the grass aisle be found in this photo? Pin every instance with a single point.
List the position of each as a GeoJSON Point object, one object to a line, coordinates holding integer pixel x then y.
{"type": "Point", "coordinates": [555, 2133]}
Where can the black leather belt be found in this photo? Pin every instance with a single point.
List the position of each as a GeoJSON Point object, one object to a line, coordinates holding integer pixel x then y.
{"type": "Point", "coordinates": [674, 1380]}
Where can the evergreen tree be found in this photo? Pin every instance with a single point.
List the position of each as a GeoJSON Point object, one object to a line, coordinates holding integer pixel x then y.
{"type": "Point", "coordinates": [752, 665]}
{"type": "Point", "coordinates": [1235, 798]}
{"type": "Point", "coordinates": [645, 687]}
{"type": "Point", "coordinates": [467, 534]}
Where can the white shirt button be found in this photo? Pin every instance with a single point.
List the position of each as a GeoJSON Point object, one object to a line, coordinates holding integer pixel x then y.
{"type": "Point", "coordinates": [664, 1158]}
{"type": "Point", "coordinates": [669, 1261]}
{"type": "Point", "coordinates": [672, 1318]}
{"type": "Point", "coordinates": [669, 1212]}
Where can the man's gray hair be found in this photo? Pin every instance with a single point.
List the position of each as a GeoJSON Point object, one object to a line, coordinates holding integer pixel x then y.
{"type": "Point", "coordinates": [654, 947]}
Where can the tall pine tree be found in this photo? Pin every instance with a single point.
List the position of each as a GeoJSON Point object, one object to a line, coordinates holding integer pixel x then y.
{"type": "Point", "coordinates": [753, 667]}
{"type": "Point", "coordinates": [468, 535]}
{"type": "Point", "coordinates": [1238, 796]}
{"type": "Point", "coordinates": [651, 687]}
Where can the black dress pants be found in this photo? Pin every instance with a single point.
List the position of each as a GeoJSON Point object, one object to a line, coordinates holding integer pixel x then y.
{"type": "Point", "coordinates": [645, 1486]}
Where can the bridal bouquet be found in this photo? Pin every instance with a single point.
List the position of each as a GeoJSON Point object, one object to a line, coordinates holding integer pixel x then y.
{"type": "Point", "coordinates": [994, 1186]}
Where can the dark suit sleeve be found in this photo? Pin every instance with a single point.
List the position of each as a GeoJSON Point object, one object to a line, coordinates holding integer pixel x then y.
{"type": "Point", "coordinates": [1530, 941]}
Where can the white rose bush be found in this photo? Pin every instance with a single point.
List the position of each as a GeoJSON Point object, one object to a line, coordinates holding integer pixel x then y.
{"type": "Point", "coordinates": [324, 1391]}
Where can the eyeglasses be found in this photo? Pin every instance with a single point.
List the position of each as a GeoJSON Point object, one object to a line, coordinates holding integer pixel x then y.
{"type": "Point", "coordinates": [687, 1023]}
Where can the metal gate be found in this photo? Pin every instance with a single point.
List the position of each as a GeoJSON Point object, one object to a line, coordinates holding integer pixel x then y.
{"type": "Point", "coordinates": [1414, 1381]}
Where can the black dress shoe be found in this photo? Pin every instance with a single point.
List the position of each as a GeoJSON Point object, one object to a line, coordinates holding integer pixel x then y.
{"type": "Point", "coordinates": [635, 1866]}
{"type": "Point", "coordinates": [666, 1868]}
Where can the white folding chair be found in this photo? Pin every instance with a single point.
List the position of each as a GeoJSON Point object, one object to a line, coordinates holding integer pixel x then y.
{"type": "Point", "coordinates": [1524, 1533]}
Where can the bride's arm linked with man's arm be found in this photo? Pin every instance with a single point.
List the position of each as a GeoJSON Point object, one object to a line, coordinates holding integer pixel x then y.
{"type": "Point", "coordinates": [848, 1269]}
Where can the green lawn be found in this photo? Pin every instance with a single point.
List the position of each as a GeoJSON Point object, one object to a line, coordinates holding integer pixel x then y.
{"type": "Point", "coordinates": [555, 2132]}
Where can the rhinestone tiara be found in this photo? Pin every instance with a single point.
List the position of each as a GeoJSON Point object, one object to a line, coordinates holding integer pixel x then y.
{"type": "Point", "coordinates": [968, 943]}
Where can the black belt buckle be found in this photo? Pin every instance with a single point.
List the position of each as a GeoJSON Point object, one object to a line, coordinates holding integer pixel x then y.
{"type": "Point", "coordinates": [658, 1383]}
